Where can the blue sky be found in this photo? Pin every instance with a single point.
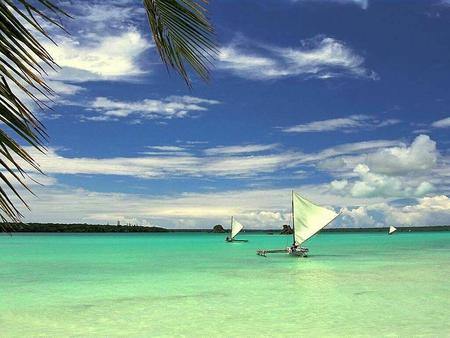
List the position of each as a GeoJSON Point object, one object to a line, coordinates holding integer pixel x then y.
{"type": "Point", "coordinates": [344, 101]}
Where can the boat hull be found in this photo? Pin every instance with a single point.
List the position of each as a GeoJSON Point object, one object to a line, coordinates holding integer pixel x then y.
{"type": "Point", "coordinates": [300, 252]}
{"type": "Point", "coordinates": [236, 240]}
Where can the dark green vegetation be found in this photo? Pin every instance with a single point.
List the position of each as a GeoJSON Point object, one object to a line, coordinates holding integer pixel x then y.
{"type": "Point", "coordinates": [58, 227]}
{"type": "Point", "coordinates": [218, 228]}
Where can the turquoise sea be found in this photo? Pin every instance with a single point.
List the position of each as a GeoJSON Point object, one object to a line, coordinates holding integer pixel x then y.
{"type": "Point", "coordinates": [196, 285]}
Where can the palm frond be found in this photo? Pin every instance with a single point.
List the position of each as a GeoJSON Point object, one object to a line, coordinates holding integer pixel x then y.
{"type": "Point", "coordinates": [22, 64]}
{"type": "Point", "coordinates": [183, 35]}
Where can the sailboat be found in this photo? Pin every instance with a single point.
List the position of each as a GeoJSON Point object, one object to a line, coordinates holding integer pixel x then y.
{"type": "Point", "coordinates": [236, 227]}
{"type": "Point", "coordinates": [392, 229]}
{"type": "Point", "coordinates": [307, 220]}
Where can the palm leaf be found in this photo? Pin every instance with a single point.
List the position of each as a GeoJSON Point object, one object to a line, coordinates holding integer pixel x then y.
{"type": "Point", "coordinates": [183, 35]}
{"type": "Point", "coordinates": [22, 62]}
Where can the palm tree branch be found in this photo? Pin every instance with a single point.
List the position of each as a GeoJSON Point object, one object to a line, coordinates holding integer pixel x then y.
{"type": "Point", "coordinates": [182, 35]}
{"type": "Point", "coordinates": [22, 62]}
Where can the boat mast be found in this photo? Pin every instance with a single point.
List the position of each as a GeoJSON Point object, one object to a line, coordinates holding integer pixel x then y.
{"type": "Point", "coordinates": [231, 227]}
{"type": "Point", "coordinates": [293, 219]}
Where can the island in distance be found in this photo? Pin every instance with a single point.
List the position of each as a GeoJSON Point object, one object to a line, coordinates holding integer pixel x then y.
{"type": "Point", "coordinates": [218, 228]}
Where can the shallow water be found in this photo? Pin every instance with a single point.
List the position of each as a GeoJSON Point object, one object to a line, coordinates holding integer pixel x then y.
{"type": "Point", "coordinates": [196, 285]}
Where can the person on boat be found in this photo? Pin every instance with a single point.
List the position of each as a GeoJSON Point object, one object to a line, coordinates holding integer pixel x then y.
{"type": "Point", "coordinates": [292, 248]}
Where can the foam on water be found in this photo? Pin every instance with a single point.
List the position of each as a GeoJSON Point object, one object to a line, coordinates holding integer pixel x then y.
{"type": "Point", "coordinates": [198, 285]}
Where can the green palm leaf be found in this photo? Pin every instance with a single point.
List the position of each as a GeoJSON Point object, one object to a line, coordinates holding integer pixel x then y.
{"type": "Point", "coordinates": [182, 34]}
{"type": "Point", "coordinates": [22, 62]}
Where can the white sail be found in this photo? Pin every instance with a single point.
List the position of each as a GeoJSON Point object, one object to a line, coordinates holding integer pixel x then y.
{"type": "Point", "coordinates": [309, 218]}
{"type": "Point", "coordinates": [392, 229]}
{"type": "Point", "coordinates": [236, 227]}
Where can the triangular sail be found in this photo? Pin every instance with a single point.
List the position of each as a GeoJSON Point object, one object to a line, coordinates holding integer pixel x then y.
{"type": "Point", "coordinates": [236, 227]}
{"type": "Point", "coordinates": [309, 218]}
{"type": "Point", "coordinates": [392, 229]}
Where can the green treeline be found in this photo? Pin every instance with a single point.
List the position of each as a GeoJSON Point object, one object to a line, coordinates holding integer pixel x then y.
{"type": "Point", "coordinates": [59, 227]}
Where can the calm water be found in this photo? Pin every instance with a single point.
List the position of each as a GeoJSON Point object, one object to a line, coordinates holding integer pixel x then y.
{"type": "Point", "coordinates": [196, 285]}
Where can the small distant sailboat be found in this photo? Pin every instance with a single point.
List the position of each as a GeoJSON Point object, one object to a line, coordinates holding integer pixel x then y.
{"type": "Point", "coordinates": [236, 227]}
{"type": "Point", "coordinates": [307, 220]}
{"type": "Point", "coordinates": [392, 229]}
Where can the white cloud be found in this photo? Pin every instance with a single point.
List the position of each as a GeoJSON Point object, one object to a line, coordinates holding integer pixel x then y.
{"type": "Point", "coordinates": [232, 150]}
{"type": "Point", "coordinates": [434, 210]}
{"type": "Point", "coordinates": [165, 165]}
{"type": "Point", "coordinates": [345, 157]}
{"type": "Point", "coordinates": [99, 57]}
{"type": "Point", "coordinates": [167, 108]}
{"type": "Point", "coordinates": [364, 4]}
{"type": "Point", "coordinates": [320, 58]}
{"type": "Point", "coordinates": [399, 171]}
{"type": "Point", "coordinates": [420, 156]}
{"type": "Point", "coordinates": [444, 123]}
{"type": "Point", "coordinates": [167, 148]}
{"type": "Point", "coordinates": [232, 162]}
{"type": "Point", "coordinates": [357, 182]}
{"type": "Point", "coordinates": [375, 185]}
{"type": "Point", "coordinates": [344, 124]}
{"type": "Point", "coordinates": [356, 217]}
{"type": "Point", "coordinates": [105, 41]}
{"type": "Point", "coordinates": [339, 184]}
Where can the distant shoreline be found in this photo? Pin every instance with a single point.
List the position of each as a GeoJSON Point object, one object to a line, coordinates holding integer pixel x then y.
{"type": "Point", "coordinates": [101, 228]}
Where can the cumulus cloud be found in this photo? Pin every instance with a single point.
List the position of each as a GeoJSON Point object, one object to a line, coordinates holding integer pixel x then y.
{"type": "Point", "coordinates": [370, 185]}
{"type": "Point", "coordinates": [100, 57]}
{"type": "Point", "coordinates": [104, 43]}
{"type": "Point", "coordinates": [420, 156]}
{"type": "Point", "coordinates": [356, 217]}
{"type": "Point", "coordinates": [344, 124]}
{"type": "Point", "coordinates": [320, 58]}
{"type": "Point", "coordinates": [444, 123]}
{"type": "Point", "coordinates": [426, 211]}
{"type": "Point", "coordinates": [433, 210]}
{"type": "Point", "coordinates": [390, 172]}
